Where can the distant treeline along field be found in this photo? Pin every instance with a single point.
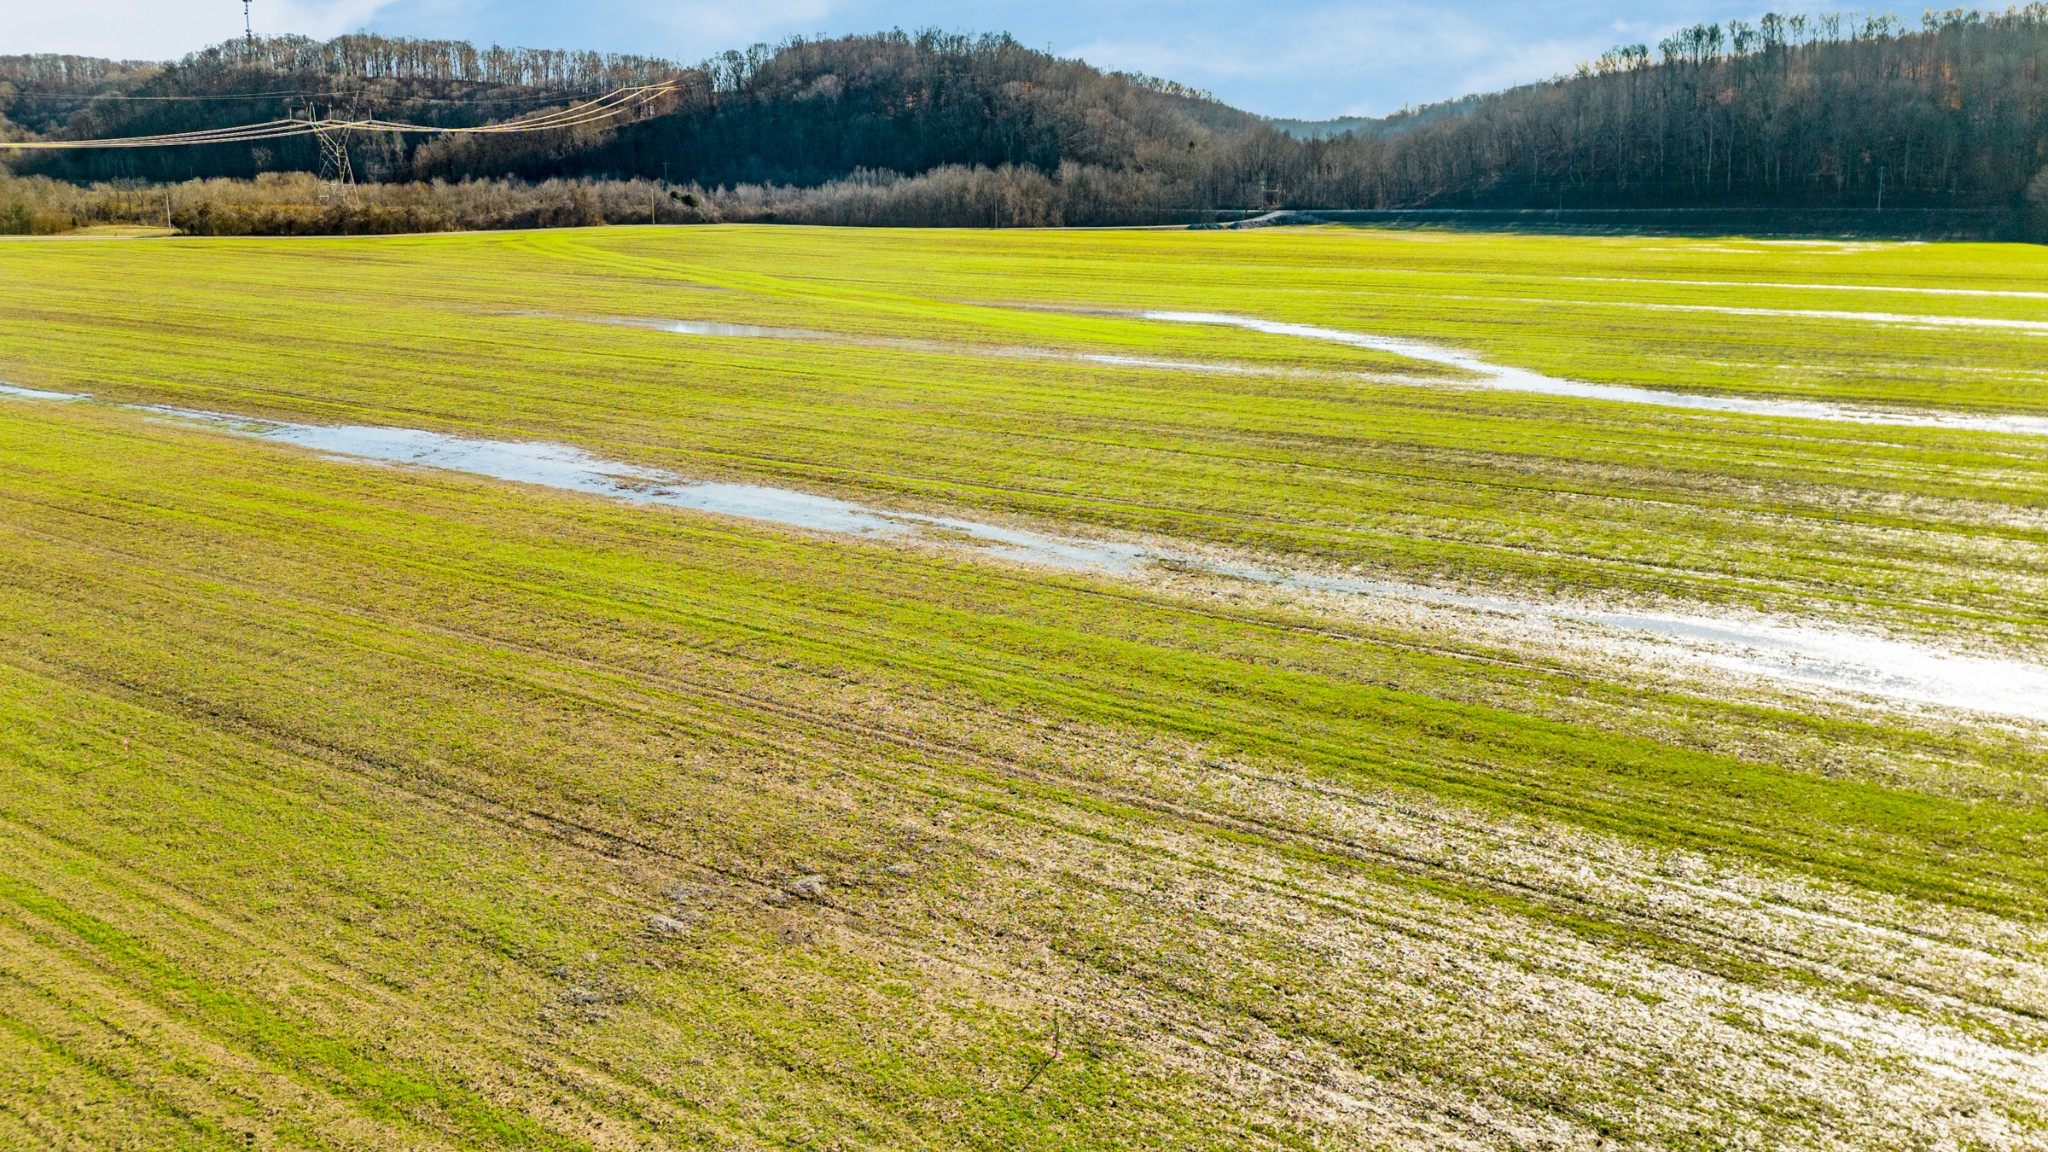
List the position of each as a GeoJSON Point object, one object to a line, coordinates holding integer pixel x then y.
{"type": "Point", "coordinates": [1860, 116]}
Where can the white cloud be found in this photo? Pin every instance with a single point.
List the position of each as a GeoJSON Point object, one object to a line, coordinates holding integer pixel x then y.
{"type": "Point", "coordinates": [146, 30]}
{"type": "Point", "coordinates": [718, 26]}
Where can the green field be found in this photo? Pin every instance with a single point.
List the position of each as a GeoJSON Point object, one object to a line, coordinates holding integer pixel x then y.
{"type": "Point", "coordinates": [355, 806]}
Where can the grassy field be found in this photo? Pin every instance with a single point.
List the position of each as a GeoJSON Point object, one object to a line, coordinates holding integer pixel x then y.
{"type": "Point", "coordinates": [369, 807]}
{"type": "Point", "coordinates": [1919, 528]}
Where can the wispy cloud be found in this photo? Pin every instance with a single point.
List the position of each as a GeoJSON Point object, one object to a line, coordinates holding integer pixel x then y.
{"type": "Point", "coordinates": [717, 26]}
{"type": "Point", "coordinates": [120, 28]}
{"type": "Point", "coordinates": [687, 30]}
{"type": "Point", "coordinates": [322, 17]}
{"type": "Point", "coordinates": [1348, 58]}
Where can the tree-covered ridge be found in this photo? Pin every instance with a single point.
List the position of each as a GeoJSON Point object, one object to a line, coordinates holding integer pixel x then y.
{"type": "Point", "coordinates": [1791, 110]}
{"type": "Point", "coordinates": [806, 112]}
{"type": "Point", "coordinates": [818, 110]}
{"type": "Point", "coordinates": [445, 83]}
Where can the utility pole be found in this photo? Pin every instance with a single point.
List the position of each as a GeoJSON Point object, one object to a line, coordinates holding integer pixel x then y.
{"type": "Point", "coordinates": [1880, 189]}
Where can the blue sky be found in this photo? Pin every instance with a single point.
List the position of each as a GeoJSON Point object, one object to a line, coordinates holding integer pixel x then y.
{"type": "Point", "coordinates": [1314, 59]}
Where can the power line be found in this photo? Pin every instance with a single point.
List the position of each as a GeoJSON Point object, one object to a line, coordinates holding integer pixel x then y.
{"type": "Point", "coordinates": [610, 106]}
{"type": "Point", "coordinates": [306, 95]}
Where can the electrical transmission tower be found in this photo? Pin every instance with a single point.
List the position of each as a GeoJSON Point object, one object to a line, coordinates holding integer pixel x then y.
{"type": "Point", "coordinates": [334, 162]}
{"type": "Point", "coordinates": [248, 29]}
{"type": "Point", "coordinates": [331, 132]}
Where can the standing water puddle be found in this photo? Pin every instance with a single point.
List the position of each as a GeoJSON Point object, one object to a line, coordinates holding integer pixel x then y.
{"type": "Point", "coordinates": [572, 469]}
{"type": "Point", "coordinates": [1871, 665]}
{"type": "Point", "coordinates": [1522, 380]}
{"type": "Point", "coordinates": [713, 329]}
{"type": "Point", "coordinates": [1843, 661]}
{"type": "Point", "coordinates": [729, 331]}
{"type": "Point", "coordinates": [18, 393]}
{"type": "Point", "coordinates": [716, 329]}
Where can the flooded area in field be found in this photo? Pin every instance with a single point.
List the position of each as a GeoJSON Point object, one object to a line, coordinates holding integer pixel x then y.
{"type": "Point", "coordinates": [1866, 665]}
{"type": "Point", "coordinates": [1862, 664]}
{"type": "Point", "coordinates": [1173, 365]}
{"type": "Point", "coordinates": [552, 466]}
{"type": "Point", "coordinates": [1898, 319]}
{"type": "Point", "coordinates": [1988, 293]}
{"type": "Point", "coordinates": [19, 393]}
{"type": "Point", "coordinates": [1859, 663]}
{"type": "Point", "coordinates": [574, 470]}
{"type": "Point", "coordinates": [1490, 375]}
{"type": "Point", "coordinates": [1483, 372]}
{"type": "Point", "coordinates": [718, 330]}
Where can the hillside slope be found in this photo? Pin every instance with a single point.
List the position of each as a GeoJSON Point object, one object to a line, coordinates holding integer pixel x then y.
{"type": "Point", "coordinates": [1788, 112]}
{"type": "Point", "coordinates": [803, 113]}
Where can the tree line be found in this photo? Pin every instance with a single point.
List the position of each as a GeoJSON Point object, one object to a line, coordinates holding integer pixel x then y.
{"type": "Point", "coordinates": [1827, 111]}
{"type": "Point", "coordinates": [1790, 111]}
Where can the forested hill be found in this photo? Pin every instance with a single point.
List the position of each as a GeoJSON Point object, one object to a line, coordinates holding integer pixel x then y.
{"type": "Point", "coordinates": [1795, 112]}
{"type": "Point", "coordinates": [805, 112]}
{"type": "Point", "coordinates": [1406, 120]}
{"type": "Point", "coordinates": [1798, 112]}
